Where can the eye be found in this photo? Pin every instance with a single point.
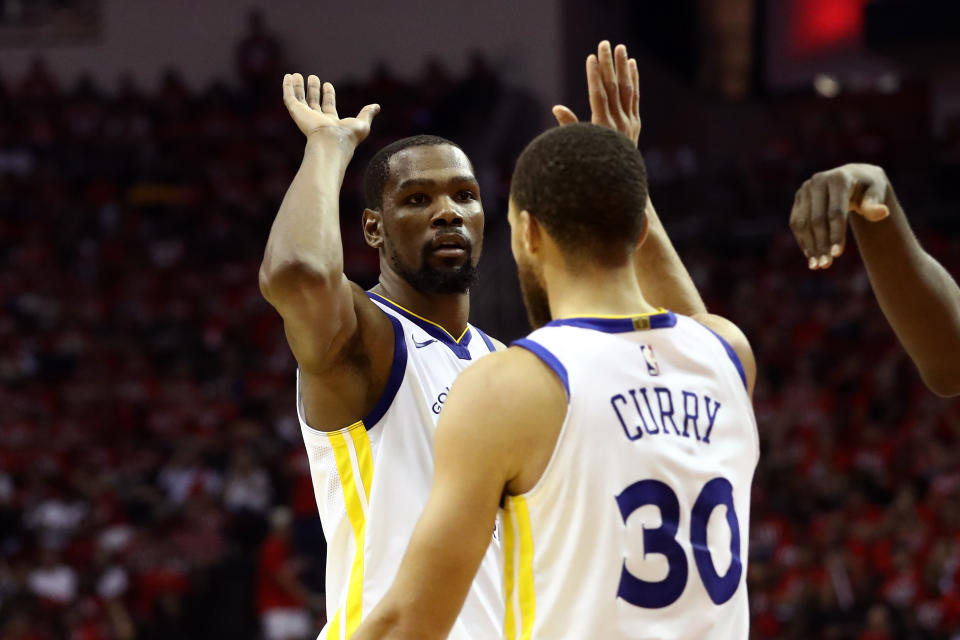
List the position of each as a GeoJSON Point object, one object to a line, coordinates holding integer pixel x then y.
{"type": "Point", "coordinates": [466, 194]}
{"type": "Point", "coordinates": [416, 198]}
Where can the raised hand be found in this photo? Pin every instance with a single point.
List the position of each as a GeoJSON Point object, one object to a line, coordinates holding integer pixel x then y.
{"type": "Point", "coordinates": [824, 202]}
{"type": "Point", "coordinates": [613, 84]}
{"type": "Point", "coordinates": [315, 110]}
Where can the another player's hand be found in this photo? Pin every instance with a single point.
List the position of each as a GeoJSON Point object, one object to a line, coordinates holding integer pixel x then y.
{"type": "Point", "coordinates": [824, 202]}
{"type": "Point", "coordinates": [315, 110]}
{"type": "Point", "coordinates": [613, 83]}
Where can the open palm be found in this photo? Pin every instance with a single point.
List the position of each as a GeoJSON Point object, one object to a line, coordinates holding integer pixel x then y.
{"type": "Point", "coordinates": [314, 109]}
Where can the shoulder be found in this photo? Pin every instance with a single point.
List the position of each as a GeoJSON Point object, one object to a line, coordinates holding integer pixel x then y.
{"type": "Point", "coordinates": [736, 340]}
{"type": "Point", "coordinates": [510, 373]}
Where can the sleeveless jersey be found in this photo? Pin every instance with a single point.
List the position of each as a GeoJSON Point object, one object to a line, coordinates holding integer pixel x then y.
{"type": "Point", "coordinates": [372, 479]}
{"type": "Point", "coordinates": [638, 527]}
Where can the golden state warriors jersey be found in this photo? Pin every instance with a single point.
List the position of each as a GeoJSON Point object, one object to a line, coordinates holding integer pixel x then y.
{"type": "Point", "coordinates": [372, 479]}
{"type": "Point", "coordinates": [638, 527]}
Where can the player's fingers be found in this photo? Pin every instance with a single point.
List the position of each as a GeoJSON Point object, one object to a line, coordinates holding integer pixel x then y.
{"type": "Point", "coordinates": [838, 204]}
{"type": "Point", "coordinates": [313, 92]}
{"type": "Point", "coordinates": [624, 79]}
{"type": "Point", "coordinates": [288, 97]}
{"type": "Point", "coordinates": [564, 115]}
{"type": "Point", "coordinates": [298, 92]}
{"type": "Point", "coordinates": [597, 93]}
{"type": "Point", "coordinates": [608, 74]}
{"type": "Point", "coordinates": [818, 223]}
{"type": "Point", "coordinates": [328, 103]}
{"type": "Point", "coordinates": [635, 78]}
{"type": "Point", "coordinates": [368, 113]}
{"type": "Point", "coordinates": [867, 200]}
{"type": "Point", "coordinates": [800, 224]}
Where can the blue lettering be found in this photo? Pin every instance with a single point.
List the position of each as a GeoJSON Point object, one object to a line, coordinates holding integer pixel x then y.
{"type": "Point", "coordinates": [633, 394]}
{"type": "Point", "coordinates": [626, 431]}
{"type": "Point", "coordinates": [663, 391]}
{"type": "Point", "coordinates": [689, 417]}
{"type": "Point", "coordinates": [646, 401]}
{"type": "Point", "coordinates": [711, 416]}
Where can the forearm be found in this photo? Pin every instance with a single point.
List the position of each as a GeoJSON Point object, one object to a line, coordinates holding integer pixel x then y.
{"type": "Point", "coordinates": [305, 235]}
{"type": "Point", "coordinates": [663, 279]}
{"type": "Point", "coordinates": [917, 295]}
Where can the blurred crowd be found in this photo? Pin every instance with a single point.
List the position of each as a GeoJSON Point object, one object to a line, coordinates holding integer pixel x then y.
{"type": "Point", "coordinates": [153, 482]}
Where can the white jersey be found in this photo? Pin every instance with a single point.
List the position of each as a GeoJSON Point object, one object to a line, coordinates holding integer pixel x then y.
{"type": "Point", "coordinates": [372, 479]}
{"type": "Point", "coordinates": [638, 527]}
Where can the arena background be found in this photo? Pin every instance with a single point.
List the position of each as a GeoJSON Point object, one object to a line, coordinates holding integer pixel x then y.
{"type": "Point", "coordinates": [153, 482]}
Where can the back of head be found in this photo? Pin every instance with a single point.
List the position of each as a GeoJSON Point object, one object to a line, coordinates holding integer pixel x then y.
{"type": "Point", "coordinates": [587, 186]}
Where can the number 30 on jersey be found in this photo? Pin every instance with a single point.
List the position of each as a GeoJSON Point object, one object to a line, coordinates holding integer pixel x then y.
{"type": "Point", "coordinates": [663, 540]}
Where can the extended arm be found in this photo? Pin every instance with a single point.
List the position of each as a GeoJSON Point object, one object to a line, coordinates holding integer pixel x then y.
{"type": "Point", "coordinates": [613, 83]}
{"type": "Point", "coordinates": [302, 270]}
{"type": "Point", "coordinates": [916, 294]}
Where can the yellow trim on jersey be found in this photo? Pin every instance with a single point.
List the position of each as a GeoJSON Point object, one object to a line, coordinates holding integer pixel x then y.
{"type": "Point", "coordinates": [418, 316]}
{"type": "Point", "coordinates": [528, 603]}
{"type": "Point", "coordinates": [520, 573]}
{"type": "Point", "coordinates": [355, 513]}
{"type": "Point", "coordinates": [509, 624]}
{"type": "Point", "coordinates": [619, 317]}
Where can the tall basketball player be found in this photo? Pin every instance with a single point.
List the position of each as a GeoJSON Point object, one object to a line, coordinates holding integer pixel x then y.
{"type": "Point", "coordinates": [618, 439]}
{"type": "Point", "coordinates": [916, 294]}
{"type": "Point", "coordinates": [374, 367]}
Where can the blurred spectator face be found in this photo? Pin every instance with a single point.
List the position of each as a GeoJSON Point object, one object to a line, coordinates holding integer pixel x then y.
{"type": "Point", "coordinates": [432, 219]}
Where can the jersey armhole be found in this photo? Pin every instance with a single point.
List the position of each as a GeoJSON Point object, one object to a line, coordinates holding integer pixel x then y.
{"type": "Point", "coordinates": [548, 359]}
{"type": "Point", "coordinates": [397, 369]}
{"type": "Point", "coordinates": [731, 354]}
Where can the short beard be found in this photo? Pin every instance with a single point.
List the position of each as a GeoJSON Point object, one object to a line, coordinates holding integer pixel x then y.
{"type": "Point", "coordinates": [534, 297]}
{"type": "Point", "coordinates": [428, 279]}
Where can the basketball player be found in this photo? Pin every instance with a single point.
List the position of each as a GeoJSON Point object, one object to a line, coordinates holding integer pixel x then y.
{"type": "Point", "coordinates": [618, 439]}
{"type": "Point", "coordinates": [374, 368]}
{"type": "Point", "coordinates": [916, 294]}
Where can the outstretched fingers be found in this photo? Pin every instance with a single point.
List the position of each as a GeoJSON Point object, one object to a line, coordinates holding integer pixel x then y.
{"type": "Point", "coordinates": [597, 92]}
{"type": "Point", "coordinates": [329, 101]}
{"type": "Point", "coordinates": [625, 84]}
{"type": "Point", "coordinates": [635, 78]}
{"type": "Point", "coordinates": [313, 92]}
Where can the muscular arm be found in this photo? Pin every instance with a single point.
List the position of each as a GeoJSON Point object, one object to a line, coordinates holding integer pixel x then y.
{"type": "Point", "coordinates": [302, 270]}
{"type": "Point", "coordinates": [663, 278]}
{"type": "Point", "coordinates": [613, 85]}
{"type": "Point", "coordinates": [916, 294]}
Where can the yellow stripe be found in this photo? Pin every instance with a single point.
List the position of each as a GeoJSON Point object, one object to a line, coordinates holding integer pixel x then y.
{"type": "Point", "coordinates": [619, 317]}
{"type": "Point", "coordinates": [351, 498]}
{"type": "Point", "coordinates": [527, 594]}
{"type": "Point", "coordinates": [333, 631]}
{"type": "Point", "coordinates": [415, 315]}
{"type": "Point", "coordinates": [361, 444]}
{"type": "Point", "coordinates": [509, 624]}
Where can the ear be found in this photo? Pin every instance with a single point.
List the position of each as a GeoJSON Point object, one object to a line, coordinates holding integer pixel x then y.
{"type": "Point", "coordinates": [644, 231]}
{"type": "Point", "coordinates": [531, 235]}
{"type": "Point", "coordinates": [372, 223]}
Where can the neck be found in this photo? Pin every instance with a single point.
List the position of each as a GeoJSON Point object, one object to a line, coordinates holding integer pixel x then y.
{"type": "Point", "coordinates": [594, 291]}
{"type": "Point", "coordinates": [449, 310]}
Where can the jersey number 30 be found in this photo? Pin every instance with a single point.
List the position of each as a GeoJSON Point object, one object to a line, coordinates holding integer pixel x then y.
{"type": "Point", "coordinates": [663, 540]}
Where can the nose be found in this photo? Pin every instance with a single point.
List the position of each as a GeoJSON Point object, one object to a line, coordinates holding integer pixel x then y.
{"type": "Point", "coordinates": [447, 214]}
